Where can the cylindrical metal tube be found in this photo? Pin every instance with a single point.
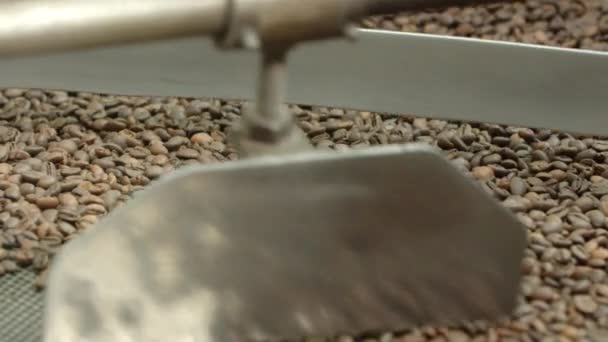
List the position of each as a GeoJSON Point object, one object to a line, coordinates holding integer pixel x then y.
{"type": "Point", "coordinates": [272, 85]}
{"type": "Point", "coordinates": [41, 26]}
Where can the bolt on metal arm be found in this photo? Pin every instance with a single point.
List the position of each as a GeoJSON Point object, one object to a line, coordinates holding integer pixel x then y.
{"type": "Point", "coordinates": [267, 127]}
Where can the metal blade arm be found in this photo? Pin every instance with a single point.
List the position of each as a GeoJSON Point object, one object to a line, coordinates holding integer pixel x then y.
{"type": "Point", "coordinates": [42, 26]}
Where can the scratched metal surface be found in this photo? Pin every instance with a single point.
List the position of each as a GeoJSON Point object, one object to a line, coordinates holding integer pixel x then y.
{"type": "Point", "coordinates": [313, 244]}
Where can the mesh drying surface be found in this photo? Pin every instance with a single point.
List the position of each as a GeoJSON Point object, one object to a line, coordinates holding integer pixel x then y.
{"type": "Point", "coordinates": [21, 308]}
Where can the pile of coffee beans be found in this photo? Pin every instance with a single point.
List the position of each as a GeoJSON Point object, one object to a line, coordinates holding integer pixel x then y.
{"type": "Point", "coordinates": [565, 23]}
{"type": "Point", "coordinates": [67, 159]}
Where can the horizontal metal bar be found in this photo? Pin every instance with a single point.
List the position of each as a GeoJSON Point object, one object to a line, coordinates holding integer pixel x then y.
{"type": "Point", "coordinates": [39, 26]}
{"type": "Point", "coordinates": [46, 26]}
{"type": "Point", "coordinates": [435, 76]}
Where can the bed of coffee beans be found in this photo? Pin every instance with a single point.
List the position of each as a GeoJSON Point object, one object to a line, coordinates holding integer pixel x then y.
{"type": "Point", "coordinates": [67, 159]}
{"type": "Point", "coordinates": [566, 23]}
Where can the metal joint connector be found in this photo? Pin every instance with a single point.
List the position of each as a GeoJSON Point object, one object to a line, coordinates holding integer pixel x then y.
{"type": "Point", "coordinates": [267, 126]}
{"type": "Point", "coordinates": [255, 24]}
{"type": "Point", "coordinates": [241, 26]}
{"type": "Point", "coordinates": [260, 128]}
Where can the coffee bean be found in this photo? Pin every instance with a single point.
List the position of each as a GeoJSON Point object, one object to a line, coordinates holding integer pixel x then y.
{"type": "Point", "coordinates": [68, 200]}
{"type": "Point", "coordinates": [518, 186]}
{"type": "Point", "coordinates": [105, 163]}
{"type": "Point", "coordinates": [95, 209]}
{"type": "Point", "coordinates": [586, 203]}
{"type": "Point", "coordinates": [483, 173]}
{"type": "Point", "coordinates": [47, 202]}
{"type": "Point", "coordinates": [66, 228]}
{"type": "Point", "coordinates": [600, 188]}
{"type": "Point", "coordinates": [50, 215]}
{"type": "Point", "coordinates": [517, 203]}
{"type": "Point", "coordinates": [578, 220]}
{"type": "Point", "coordinates": [217, 147]}
{"type": "Point", "coordinates": [601, 290]}
{"type": "Point", "coordinates": [175, 142]}
{"type": "Point", "coordinates": [89, 199]}
{"type": "Point", "coordinates": [187, 153]}
{"type": "Point", "coordinates": [493, 158]}
{"type": "Point", "coordinates": [585, 304]}
{"type": "Point", "coordinates": [596, 217]}
{"type": "Point", "coordinates": [154, 171]}
{"type": "Point", "coordinates": [110, 198]}
{"type": "Point", "coordinates": [68, 145]}
{"type": "Point", "coordinates": [9, 266]}
{"type": "Point", "coordinates": [12, 193]}
{"type": "Point", "coordinates": [544, 293]}
{"type": "Point", "coordinates": [444, 142]}
{"type": "Point", "coordinates": [23, 257]}
{"type": "Point", "coordinates": [13, 92]}
{"type": "Point", "coordinates": [600, 253]}
{"type": "Point", "coordinates": [5, 168]}
{"type": "Point", "coordinates": [537, 215]}
{"type": "Point", "coordinates": [138, 152]}
{"type": "Point", "coordinates": [156, 147]}
{"type": "Point", "coordinates": [553, 224]}
{"type": "Point", "coordinates": [580, 253]}
{"type": "Point", "coordinates": [334, 125]}
{"type": "Point", "coordinates": [40, 259]}
{"type": "Point", "coordinates": [201, 138]}
{"type": "Point", "coordinates": [31, 176]}
{"type": "Point", "coordinates": [70, 171]}
{"type": "Point", "coordinates": [46, 181]}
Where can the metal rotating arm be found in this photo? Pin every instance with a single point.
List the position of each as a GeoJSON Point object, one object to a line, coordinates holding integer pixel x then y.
{"type": "Point", "coordinates": [43, 26]}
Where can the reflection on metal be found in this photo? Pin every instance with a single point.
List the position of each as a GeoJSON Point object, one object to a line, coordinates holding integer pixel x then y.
{"type": "Point", "coordinates": [43, 26]}
{"type": "Point", "coordinates": [315, 244]}
{"type": "Point", "coordinates": [441, 77]}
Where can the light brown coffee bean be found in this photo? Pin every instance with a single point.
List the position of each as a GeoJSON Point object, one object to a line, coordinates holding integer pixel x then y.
{"type": "Point", "coordinates": [596, 217]}
{"type": "Point", "coordinates": [66, 228]}
{"type": "Point", "coordinates": [552, 224]}
{"type": "Point", "coordinates": [585, 304]}
{"type": "Point", "coordinates": [201, 138]}
{"type": "Point", "coordinates": [47, 202]}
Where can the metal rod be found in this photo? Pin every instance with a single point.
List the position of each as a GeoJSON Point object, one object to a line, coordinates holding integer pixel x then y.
{"type": "Point", "coordinates": [42, 26]}
{"type": "Point", "coordinates": [46, 26]}
{"type": "Point", "coordinates": [269, 127]}
{"type": "Point", "coordinates": [272, 86]}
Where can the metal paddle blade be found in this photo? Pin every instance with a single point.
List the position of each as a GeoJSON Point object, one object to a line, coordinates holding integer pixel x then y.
{"type": "Point", "coordinates": [313, 244]}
